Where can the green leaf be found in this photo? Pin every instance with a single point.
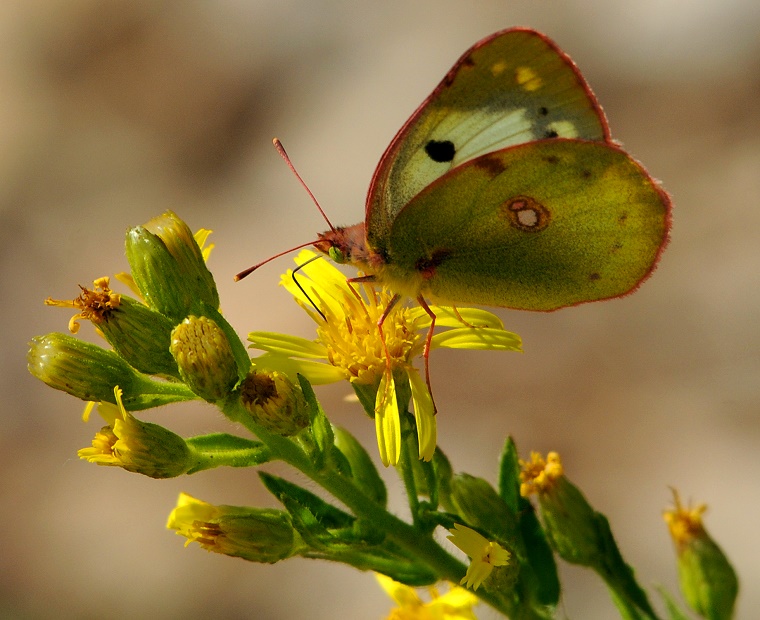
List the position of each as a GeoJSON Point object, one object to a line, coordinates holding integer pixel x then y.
{"type": "Point", "coordinates": [321, 429]}
{"type": "Point", "coordinates": [674, 611]}
{"type": "Point", "coordinates": [540, 558]}
{"type": "Point", "coordinates": [287, 492]}
{"type": "Point", "coordinates": [363, 470]}
{"type": "Point", "coordinates": [628, 595]}
{"type": "Point", "coordinates": [509, 476]}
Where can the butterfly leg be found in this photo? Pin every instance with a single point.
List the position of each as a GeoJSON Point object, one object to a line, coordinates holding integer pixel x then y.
{"type": "Point", "coordinates": [462, 319]}
{"type": "Point", "coordinates": [380, 322]}
{"type": "Point", "coordinates": [426, 350]}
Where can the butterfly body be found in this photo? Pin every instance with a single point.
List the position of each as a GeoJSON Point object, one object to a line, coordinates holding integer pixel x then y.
{"type": "Point", "coordinates": [504, 188]}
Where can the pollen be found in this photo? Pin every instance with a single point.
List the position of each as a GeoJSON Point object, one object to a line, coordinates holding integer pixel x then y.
{"type": "Point", "coordinates": [684, 522]}
{"type": "Point", "coordinates": [94, 305]}
{"type": "Point", "coordinates": [353, 340]}
{"type": "Point", "coordinates": [539, 475]}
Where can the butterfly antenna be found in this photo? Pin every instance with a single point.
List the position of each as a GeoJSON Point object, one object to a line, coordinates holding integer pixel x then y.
{"type": "Point", "coordinates": [284, 155]}
{"type": "Point", "coordinates": [250, 270]}
{"type": "Point", "coordinates": [301, 288]}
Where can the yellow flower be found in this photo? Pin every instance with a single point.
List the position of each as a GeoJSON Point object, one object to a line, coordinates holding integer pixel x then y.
{"type": "Point", "coordinates": [254, 534]}
{"type": "Point", "coordinates": [139, 447]}
{"type": "Point", "coordinates": [684, 522]}
{"type": "Point", "coordinates": [539, 475]}
{"type": "Point", "coordinates": [484, 554]}
{"type": "Point", "coordinates": [275, 402]}
{"type": "Point", "coordinates": [93, 305]}
{"type": "Point", "coordinates": [456, 604]}
{"type": "Point", "coordinates": [349, 345]}
{"type": "Point", "coordinates": [708, 581]}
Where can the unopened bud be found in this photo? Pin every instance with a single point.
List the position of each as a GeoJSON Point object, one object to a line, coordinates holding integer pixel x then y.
{"type": "Point", "coordinates": [204, 357]}
{"type": "Point", "coordinates": [254, 534]}
{"type": "Point", "coordinates": [168, 267]}
{"type": "Point", "coordinates": [708, 581]}
{"type": "Point", "coordinates": [274, 402]}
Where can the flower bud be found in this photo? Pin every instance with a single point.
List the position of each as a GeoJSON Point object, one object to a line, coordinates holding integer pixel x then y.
{"type": "Point", "coordinates": [168, 267]}
{"type": "Point", "coordinates": [254, 534]}
{"type": "Point", "coordinates": [204, 357]}
{"type": "Point", "coordinates": [274, 402]}
{"type": "Point", "coordinates": [141, 336]}
{"type": "Point", "coordinates": [477, 501]}
{"type": "Point", "coordinates": [569, 520]}
{"type": "Point", "coordinates": [82, 369]}
{"type": "Point", "coordinates": [139, 447]}
{"type": "Point", "coordinates": [708, 581]}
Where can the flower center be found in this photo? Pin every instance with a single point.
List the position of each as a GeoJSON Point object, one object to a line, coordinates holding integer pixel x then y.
{"type": "Point", "coordinates": [353, 340]}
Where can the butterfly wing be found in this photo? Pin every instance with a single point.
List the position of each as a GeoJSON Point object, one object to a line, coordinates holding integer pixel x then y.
{"type": "Point", "coordinates": [538, 226]}
{"type": "Point", "coordinates": [513, 87]}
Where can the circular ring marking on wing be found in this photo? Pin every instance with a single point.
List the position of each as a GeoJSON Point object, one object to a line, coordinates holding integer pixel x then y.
{"type": "Point", "coordinates": [526, 213]}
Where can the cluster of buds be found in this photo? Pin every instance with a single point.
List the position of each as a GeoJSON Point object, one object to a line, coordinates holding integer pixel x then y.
{"type": "Point", "coordinates": [581, 535]}
{"type": "Point", "coordinates": [169, 343]}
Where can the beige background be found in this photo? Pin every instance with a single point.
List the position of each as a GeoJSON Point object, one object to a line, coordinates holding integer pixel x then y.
{"type": "Point", "coordinates": [111, 112]}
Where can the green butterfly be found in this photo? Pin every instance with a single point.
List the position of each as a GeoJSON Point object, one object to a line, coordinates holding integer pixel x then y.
{"type": "Point", "coordinates": [505, 188]}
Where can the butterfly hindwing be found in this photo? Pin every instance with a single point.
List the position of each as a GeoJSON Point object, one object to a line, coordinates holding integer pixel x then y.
{"type": "Point", "coordinates": [537, 226]}
{"type": "Point", "coordinates": [511, 88]}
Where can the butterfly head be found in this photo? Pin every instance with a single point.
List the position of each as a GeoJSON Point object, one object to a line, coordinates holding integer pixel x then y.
{"type": "Point", "coordinates": [346, 245]}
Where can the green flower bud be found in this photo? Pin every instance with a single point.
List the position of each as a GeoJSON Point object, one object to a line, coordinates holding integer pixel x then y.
{"type": "Point", "coordinates": [82, 369]}
{"type": "Point", "coordinates": [141, 336]}
{"type": "Point", "coordinates": [139, 447]}
{"type": "Point", "coordinates": [477, 501]}
{"type": "Point", "coordinates": [708, 581]}
{"type": "Point", "coordinates": [204, 357]}
{"type": "Point", "coordinates": [274, 402]}
{"type": "Point", "coordinates": [254, 534]}
{"type": "Point", "coordinates": [168, 267]}
{"type": "Point", "coordinates": [569, 520]}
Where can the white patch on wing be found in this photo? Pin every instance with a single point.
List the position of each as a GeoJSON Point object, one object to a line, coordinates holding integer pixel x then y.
{"type": "Point", "coordinates": [473, 133]}
{"type": "Point", "coordinates": [496, 131]}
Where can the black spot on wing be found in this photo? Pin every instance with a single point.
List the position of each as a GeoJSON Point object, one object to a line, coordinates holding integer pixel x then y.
{"type": "Point", "coordinates": [440, 150]}
{"type": "Point", "coordinates": [550, 133]}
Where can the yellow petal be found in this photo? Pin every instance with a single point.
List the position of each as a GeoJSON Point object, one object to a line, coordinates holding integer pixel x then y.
{"type": "Point", "coordinates": [387, 421]}
{"type": "Point", "coordinates": [424, 413]}
{"type": "Point", "coordinates": [286, 345]}
{"type": "Point", "coordinates": [317, 373]}
{"type": "Point", "coordinates": [478, 339]}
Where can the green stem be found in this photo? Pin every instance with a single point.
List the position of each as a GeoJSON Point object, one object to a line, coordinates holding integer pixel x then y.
{"type": "Point", "coordinates": [422, 546]}
{"type": "Point", "coordinates": [167, 388]}
{"type": "Point", "coordinates": [405, 467]}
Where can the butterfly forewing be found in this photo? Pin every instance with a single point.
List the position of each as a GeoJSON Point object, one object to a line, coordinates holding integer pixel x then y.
{"type": "Point", "coordinates": [513, 87]}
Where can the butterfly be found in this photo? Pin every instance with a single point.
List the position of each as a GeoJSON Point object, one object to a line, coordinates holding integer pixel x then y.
{"type": "Point", "coordinates": [505, 188]}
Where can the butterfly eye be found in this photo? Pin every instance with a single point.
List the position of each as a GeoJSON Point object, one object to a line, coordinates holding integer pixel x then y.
{"type": "Point", "coordinates": [440, 150]}
{"type": "Point", "coordinates": [336, 254]}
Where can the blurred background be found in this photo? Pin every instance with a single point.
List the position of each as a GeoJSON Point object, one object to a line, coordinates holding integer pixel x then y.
{"type": "Point", "coordinates": [112, 112]}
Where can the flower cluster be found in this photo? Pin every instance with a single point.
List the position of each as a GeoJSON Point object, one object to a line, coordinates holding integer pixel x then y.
{"type": "Point", "coordinates": [170, 343]}
{"type": "Point", "coordinates": [377, 359]}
